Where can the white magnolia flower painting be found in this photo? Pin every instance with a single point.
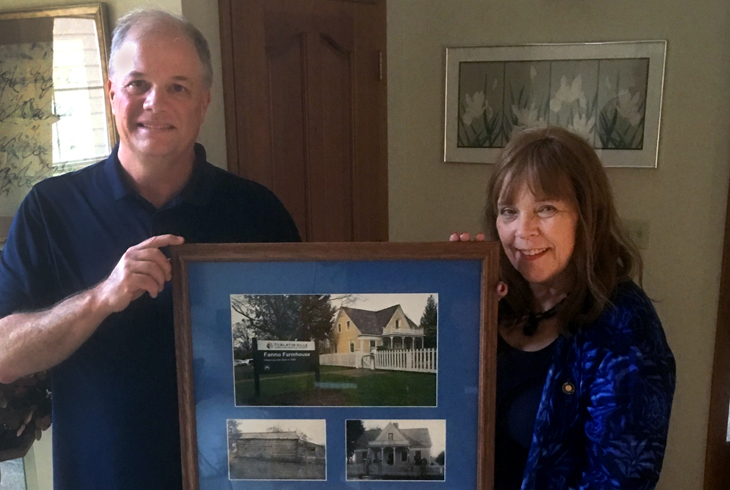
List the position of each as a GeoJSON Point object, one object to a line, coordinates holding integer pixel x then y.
{"type": "Point", "coordinates": [609, 93]}
{"type": "Point", "coordinates": [622, 103]}
{"type": "Point", "coordinates": [602, 100]}
{"type": "Point", "coordinates": [481, 106]}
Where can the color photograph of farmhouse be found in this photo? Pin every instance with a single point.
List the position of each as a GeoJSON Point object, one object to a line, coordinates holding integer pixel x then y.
{"type": "Point", "coordinates": [273, 449]}
{"type": "Point", "coordinates": [396, 449]}
{"type": "Point", "coordinates": [371, 349]}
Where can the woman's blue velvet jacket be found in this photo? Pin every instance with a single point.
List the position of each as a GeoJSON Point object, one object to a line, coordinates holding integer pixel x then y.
{"type": "Point", "coordinates": [604, 414]}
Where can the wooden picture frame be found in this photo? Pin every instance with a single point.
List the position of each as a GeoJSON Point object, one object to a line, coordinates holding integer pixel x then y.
{"type": "Point", "coordinates": [55, 116]}
{"type": "Point", "coordinates": [218, 432]}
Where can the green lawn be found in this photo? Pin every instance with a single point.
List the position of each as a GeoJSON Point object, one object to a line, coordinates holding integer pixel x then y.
{"type": "Point", "coordinates": [342, 387]}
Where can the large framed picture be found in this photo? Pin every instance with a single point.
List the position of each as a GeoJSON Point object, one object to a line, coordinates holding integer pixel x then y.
{"type": "Point", "coordinates": [608, 93]}
{"type": "Point", "coordinates": [54, 115]}
{"type": "Point", "coordinates": [351, 365]}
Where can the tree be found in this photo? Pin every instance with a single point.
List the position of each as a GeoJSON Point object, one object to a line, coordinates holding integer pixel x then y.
{"type": "Point", "coordinates": [272, 317]}
{"type": "Point", "coordinates": [234, 434]}
{"type": "Point", "coordinates": [354, 430]}
{"type": "Point", "coordinates": [284, 317]}
{"type": "Point", "coordinates": [440, 458]}
{"type": "Point", "coordinates": [316, 319]}
{"type": "Point", "coordinates": [429, 323]}
{"type": "Point", "coordinates": [241, 341]}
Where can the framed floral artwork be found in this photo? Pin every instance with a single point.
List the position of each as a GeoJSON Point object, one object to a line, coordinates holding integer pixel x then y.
{"type": "Point", "coordinates": [608, 93]}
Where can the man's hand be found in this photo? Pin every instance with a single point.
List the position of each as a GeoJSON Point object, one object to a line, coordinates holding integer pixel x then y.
{"type": "Point", "coordinates": [142, 268]}
{"type": "Point", "coordinates": [36, 341]}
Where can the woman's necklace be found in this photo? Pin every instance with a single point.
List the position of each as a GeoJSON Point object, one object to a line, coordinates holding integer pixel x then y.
{"type": "Point", "coordinates": [534, 318]}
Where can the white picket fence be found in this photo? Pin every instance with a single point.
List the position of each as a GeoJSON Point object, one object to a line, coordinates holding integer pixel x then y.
{"type": "Point", "coordinates": [419, 360]}
{"type": "Point", "coordinates": [349, 359]}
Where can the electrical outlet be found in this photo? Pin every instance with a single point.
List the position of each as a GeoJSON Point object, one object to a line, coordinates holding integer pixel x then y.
{"type": "Point", "coordinates": [638, 231]}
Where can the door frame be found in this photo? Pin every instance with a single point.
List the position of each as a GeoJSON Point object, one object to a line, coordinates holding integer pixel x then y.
{"type": "Point", "coordinates": [225, 19]}
{"type": "Point", "coordinates": [717, 474]}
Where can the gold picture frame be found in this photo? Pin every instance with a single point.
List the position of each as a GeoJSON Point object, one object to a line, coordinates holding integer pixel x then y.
{"type": "Point", "coordinates": [54, 113]}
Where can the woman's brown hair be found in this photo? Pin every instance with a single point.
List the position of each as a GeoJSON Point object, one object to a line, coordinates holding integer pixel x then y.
{"type": "Point", "coordinates": [557, 164]}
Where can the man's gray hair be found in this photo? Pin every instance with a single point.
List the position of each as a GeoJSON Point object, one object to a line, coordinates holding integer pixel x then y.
{"type": "Point", "coordinates": [147, 17]}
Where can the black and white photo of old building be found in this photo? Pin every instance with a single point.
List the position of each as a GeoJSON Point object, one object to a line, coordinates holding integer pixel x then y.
{"type": "Point", "coordinates": [396, 450]}
{"type": "Point", "coordinates": [276, 449]}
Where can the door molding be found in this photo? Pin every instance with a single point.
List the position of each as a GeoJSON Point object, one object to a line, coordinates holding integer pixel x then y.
{"type": "Point", "coordinates": [717, 457]}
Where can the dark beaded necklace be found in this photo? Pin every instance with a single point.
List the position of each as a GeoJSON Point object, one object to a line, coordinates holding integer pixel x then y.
{"type": "Point", "coordinates": [534, 318]}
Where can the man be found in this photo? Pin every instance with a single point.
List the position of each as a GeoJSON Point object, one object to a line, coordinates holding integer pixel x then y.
{"type": "Point", "coordinates": [101, 323]}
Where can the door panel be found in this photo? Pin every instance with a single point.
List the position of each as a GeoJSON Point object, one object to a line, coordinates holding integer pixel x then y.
{"type": "Point", "coordinates": [307, 114]}
{"type": "Point", "coordinates": [336, 139]}
{"type": "Point", "coordinates": [288, 175]}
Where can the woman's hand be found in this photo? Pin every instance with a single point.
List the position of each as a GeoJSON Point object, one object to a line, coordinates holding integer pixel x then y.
{"type": "Point", "coordinates": [465, 237]}
{"type": "Point", "coordinates": [479, 237]}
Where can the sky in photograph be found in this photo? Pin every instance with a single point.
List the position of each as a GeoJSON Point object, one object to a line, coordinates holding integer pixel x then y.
{"type": "Point", "coordinates": [313, 429]}
{"type": "Point", "coordinates": [412, 304]}
{"type": "Point", "coordinates": [436, 429]}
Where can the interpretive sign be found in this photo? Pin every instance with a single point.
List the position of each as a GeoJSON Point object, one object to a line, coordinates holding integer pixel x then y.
{"type": "Point", "coordinates": [277, 356]}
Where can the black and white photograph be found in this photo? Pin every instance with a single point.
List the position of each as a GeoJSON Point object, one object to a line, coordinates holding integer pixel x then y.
{"type": "Point", "coordinates": [413, 450]}
{"type": "Point", "coordinates": [335, 350]}
{"type": "Point", "coordinates": [277, 449]}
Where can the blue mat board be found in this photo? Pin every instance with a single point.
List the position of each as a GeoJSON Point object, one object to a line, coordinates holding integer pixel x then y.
{"type": "Point", "coordinates": [457, 284]}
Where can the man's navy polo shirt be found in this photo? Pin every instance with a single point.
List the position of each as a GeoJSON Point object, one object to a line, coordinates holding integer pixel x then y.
{"type": "Point", "coordinates": [115, 416]}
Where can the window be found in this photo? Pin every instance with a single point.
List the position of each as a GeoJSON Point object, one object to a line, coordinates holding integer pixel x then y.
{"type": "Point", "coordinates": [348, 324]}
{"type": "Point", "coordinates": [13, 472]}
{"type": "Point", "coordinates": [390, 457]}
{"type": "Point", "coordinates": [390, 436]}
{"type": "Point", "coordinates": [417, 458]}
{"type": "Point", "coordinates": [372, 345]}
{"type": "Point", "coordinates": [397, 324]}
{"type": "Point", "coordinates": [352, 346]}
{"type": "Point", "coordinates": [80, 136]}
{"type": "Point", "coordinates": [339, 327]}
{"type": "Point", "coordinates": [404, 455]}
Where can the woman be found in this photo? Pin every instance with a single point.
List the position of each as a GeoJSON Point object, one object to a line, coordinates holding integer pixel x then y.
{"type": "Point", "coordinates": [585, 375]}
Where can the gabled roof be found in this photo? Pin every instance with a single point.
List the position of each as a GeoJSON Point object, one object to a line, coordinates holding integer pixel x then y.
{"type": "Point", "coordinates": [416, 437]}
{"type": "Point", "coordinates": [373, 322]}
{"type": "Point", "coordinates": [366, 437]}
{"type": "Point", "coordinates": [269, 435]}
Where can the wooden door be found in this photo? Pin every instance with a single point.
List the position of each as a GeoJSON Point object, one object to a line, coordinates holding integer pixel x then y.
{"type": "Point", "coordinates": [305, 95]}
{"type": "Point", "coordinates": [717, 462]}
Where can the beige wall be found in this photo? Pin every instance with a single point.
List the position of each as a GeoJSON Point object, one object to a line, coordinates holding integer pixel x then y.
{"type": "Point", "coordinates": [204, 14]}
{"type": "Point", "coordinates": [684, 198]}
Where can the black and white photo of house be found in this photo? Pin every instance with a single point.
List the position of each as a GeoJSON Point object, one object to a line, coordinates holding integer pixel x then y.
{"type": "Point", "coordinates": [411, 450]}
{"type": "Point", "coordinates": [372, 349]}
{"type": "Point", "coordinates": [277, 449]}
